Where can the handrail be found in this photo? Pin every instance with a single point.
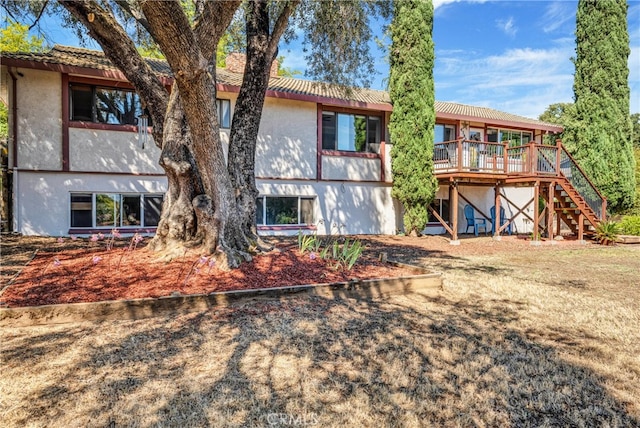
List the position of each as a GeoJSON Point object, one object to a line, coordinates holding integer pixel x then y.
{"type": "Point", "coordinates": [582, 172]}
{"type": "Point", "coordinates": [581, 183]}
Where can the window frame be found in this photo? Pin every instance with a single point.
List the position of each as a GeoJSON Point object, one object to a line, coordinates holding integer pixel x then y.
{"type": "Point", "coordinates": [224, 120]}
{"type": "Point", "coordinates": [93, 89]}
{"type": "Point", "coordinates": [299, 224]}
{"type": "Point", "coordinates": [367, 114]}
{"type": "Point", "coordinates": [119, 224]}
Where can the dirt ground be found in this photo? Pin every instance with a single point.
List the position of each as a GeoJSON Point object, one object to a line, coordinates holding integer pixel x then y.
{"type": "Point", "coordinates": [520, 336]}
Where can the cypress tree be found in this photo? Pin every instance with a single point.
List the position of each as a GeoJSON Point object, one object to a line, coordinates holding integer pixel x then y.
{"type": "Point", "coordinates": [412, 121]}
{"type": "Point", "coordinates": [600, 137]}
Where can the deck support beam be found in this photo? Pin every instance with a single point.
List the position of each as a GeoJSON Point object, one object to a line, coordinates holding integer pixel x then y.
{"type": "Point", "coordinates": [550, 209]}
{"type": "Point", "coordinates": [496, 226]}
{"type": "Point", "coordinates": [453, 194]}
{"type": "Point", "coordinates": [536, 215]}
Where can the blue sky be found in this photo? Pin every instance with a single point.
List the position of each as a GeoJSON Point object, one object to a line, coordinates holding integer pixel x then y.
{"type": "Point", "coordinates": [512, 56]}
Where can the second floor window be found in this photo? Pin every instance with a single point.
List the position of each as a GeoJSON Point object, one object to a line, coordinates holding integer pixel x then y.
{"type": "Point", "coordinates": [98, 104]}
{"type": "Point", "coordinates": [350, 132]}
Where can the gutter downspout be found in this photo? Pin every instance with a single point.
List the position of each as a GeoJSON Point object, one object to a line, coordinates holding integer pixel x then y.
{"type": "Point", "coordinates": [14, 149]}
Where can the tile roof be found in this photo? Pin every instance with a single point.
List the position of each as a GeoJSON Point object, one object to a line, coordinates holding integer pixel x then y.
{"type": "Point", "coordinates": [92, 59]}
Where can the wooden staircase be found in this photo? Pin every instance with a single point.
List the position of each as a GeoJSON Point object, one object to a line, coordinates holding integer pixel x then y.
{"type": "Point", "coordinates": [577, 202]}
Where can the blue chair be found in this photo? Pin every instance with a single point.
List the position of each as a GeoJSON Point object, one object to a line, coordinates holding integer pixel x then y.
{"type": "Point", "coordinates": [474, 222]}
{"type": "Point", "coordinates": [503, 220]}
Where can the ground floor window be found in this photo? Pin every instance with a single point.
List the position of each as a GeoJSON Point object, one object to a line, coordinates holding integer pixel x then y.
{"type": "Point", "coordinates": [441, 206]}
{"type": "Point", "coordinates": [284, 210]}
{"type": "Point", "coordinates": [110, 210]}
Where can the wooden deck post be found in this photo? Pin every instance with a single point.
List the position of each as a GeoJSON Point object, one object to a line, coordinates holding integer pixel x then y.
{"type": "Point", "coordinates": [550, 209]}
{"type": "Point", "coordinates": [581, 227]}
{"type": "Point", "coordinates": [558, 152]}
{"type": "Point", "coordinates": [496, 220]}
{"type": "Point", "coordinates": [453, 194]}
{"type": "Point", "coordinates": [536, 215]}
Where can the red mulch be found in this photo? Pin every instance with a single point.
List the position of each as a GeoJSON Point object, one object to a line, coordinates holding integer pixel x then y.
{"type": "Point", "coordinates": [95, 274]}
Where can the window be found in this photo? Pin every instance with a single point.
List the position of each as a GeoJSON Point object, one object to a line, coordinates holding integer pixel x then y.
{"type": "Point", "coordinates": [111, 210]}
{"type": "Point", "coordinates": [284, 210]}
{"type": "Point", "coordinates": [105, 105]}
{"type": "Point", "coordinates": [442, 208]}
{"type": "Point", "coordinates": [224, 113]}
{"type": "Point", "coordinates": [350, 132]}
{"type": "Point", "coordinates": [515, 138]}
{"type": "Point", "coordinates": [444, 133]}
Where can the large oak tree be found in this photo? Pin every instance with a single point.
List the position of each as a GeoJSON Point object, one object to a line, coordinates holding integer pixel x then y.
{"type": "Point", "coordinates": [208, 205]}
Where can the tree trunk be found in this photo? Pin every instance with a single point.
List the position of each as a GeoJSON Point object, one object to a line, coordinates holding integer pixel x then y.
{"type": "Point", "coordinates": [217, 223]}
{"type": "Point", "coordinates": [261, 51]}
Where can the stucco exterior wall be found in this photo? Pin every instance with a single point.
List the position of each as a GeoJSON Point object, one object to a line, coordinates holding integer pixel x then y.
{"type": "Point", "coordinates": [350, 208]}
{"type": "Point", "coordinates": [350, 168]}
{"type": "Point", "coordinates": [39, 120]}
{"type": "Point", "coordinates": [43, 198]}
{"type": "Point", "coordinates": [287, 140]}
{"type": "Point", "coordinates": [112, 151]}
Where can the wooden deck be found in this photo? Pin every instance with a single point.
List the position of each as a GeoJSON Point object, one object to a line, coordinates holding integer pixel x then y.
{"type": "Point", "coordinates": [554, 175]}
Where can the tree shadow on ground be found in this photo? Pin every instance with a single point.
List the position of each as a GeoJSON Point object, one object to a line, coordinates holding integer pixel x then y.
{"type": "Point", "coordinates": [407, 361]}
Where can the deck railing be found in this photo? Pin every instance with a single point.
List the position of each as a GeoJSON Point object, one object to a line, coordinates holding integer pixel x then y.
{"type": "Point", "coordinates": [529, 159]}
{"type": "Point", "coordinates": [570, 169]}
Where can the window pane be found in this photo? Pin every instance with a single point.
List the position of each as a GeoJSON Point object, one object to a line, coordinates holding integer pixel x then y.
{"type": "Point", "coordinates": [81, 103]}
{"type": "Point", "coordinates": [306, 211]}
{"type": "Point", "coordinates": [107, 210]}
{"type": "Point", "coordinates": [282, 211]}
{"type": "Point", "coordinates": [117, 106]}
{"type": "Point", "coordinates": [224, 113]}
{"type": "Point", "coordinates": [152, 210]}
{"type": "Point", "coordinates": [492, 135]}
{"type": "Point", "coordinates": [131, 210]}
{"type": "Point", "coordinates": [526, 137]}
{"type": "Point", "coordinates": [373, 133]}
{"type": "Point", "coordinates": [449, 133]}
{"type": "Point", "coordinates": [360, 131]}
{"type": "Point", "coordinates": [346, 132]}
{"type": "Point", "coordinates": [436, 205]}
{"type": "Point", "coordinates": [328, 131]}
{"type": "Point", "coordinates": [81, 205]}
{"type": "Point", "coordinates": [260, 210]}
{"type": "Point", "coordinates": [444, 209]}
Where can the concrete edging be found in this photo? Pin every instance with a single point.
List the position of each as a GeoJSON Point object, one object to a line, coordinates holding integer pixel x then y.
{"type": "Point", "coordinates": [423, 282]}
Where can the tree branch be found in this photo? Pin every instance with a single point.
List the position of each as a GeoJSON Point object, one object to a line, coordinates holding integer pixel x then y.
{"type": "Point", "coordinates": [121, 51]}
{"type": "Point", "coordinates": [44, 6]}
{"type": "Point", "coordinates": [208, 34]}
{"type": "Point", "coordinates": [281, 26]}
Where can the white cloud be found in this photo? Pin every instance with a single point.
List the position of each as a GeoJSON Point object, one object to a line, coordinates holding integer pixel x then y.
{"type": "Point", "coordinates": [521, 81]}
{"type": "Point", "coordinates": [507, 26]}
{"type": "Point", "coordinates": [556, 15]}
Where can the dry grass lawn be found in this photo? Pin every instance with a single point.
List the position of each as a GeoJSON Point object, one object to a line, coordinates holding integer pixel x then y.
{"type": "Point", "coordinates": [520, 336]}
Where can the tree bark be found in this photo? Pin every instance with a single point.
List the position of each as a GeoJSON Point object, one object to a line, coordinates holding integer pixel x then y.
{"type": "Point", "coordinates": [218, 226]}
{"type": "Point", "coordinates": [261, 51]}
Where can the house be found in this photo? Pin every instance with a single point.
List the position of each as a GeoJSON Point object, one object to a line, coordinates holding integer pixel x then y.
{"type": "Point", "coordinates": [82, 159]}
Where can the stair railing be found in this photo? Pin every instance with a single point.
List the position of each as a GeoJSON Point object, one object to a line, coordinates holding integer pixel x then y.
{"type": "Point", "coordinates": [570, 170]}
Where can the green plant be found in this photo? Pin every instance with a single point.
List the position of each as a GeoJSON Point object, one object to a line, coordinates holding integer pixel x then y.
{"type": "Point", "coordinates": [630, 225]}
{"type": "Point", "coordinates": [310, 243]}
{"type": "Point", "coordinates": [342, 256]}
{"type": "Point", "coordinates": [607, 232]}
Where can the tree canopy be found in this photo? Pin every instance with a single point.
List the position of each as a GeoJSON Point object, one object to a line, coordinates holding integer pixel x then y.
{"type": "Point", "coordinates": [411, 89]}
{"type": "Point", "coordinates": [600, 136]}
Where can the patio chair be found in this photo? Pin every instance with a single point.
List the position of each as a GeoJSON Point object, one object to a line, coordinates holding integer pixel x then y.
{"type": "Point", "coordinates": [503, 220]}
{"type": "Point", "coordinates": [474, 222]}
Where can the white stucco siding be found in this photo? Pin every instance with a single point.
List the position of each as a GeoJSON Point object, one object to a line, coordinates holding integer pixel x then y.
{"type": "Point", "coordinates": [287, 140]}
{"type": "Point", "coordinates": [43, 198]}
{"type": "Point", "coordinates": [111, 151]}
{"type": "Point", "coordinates": [39, 99]}
{"type": "Point", "coordinates": [350, 168]}
{"type": "Point", "coordinates": [349, 208]}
